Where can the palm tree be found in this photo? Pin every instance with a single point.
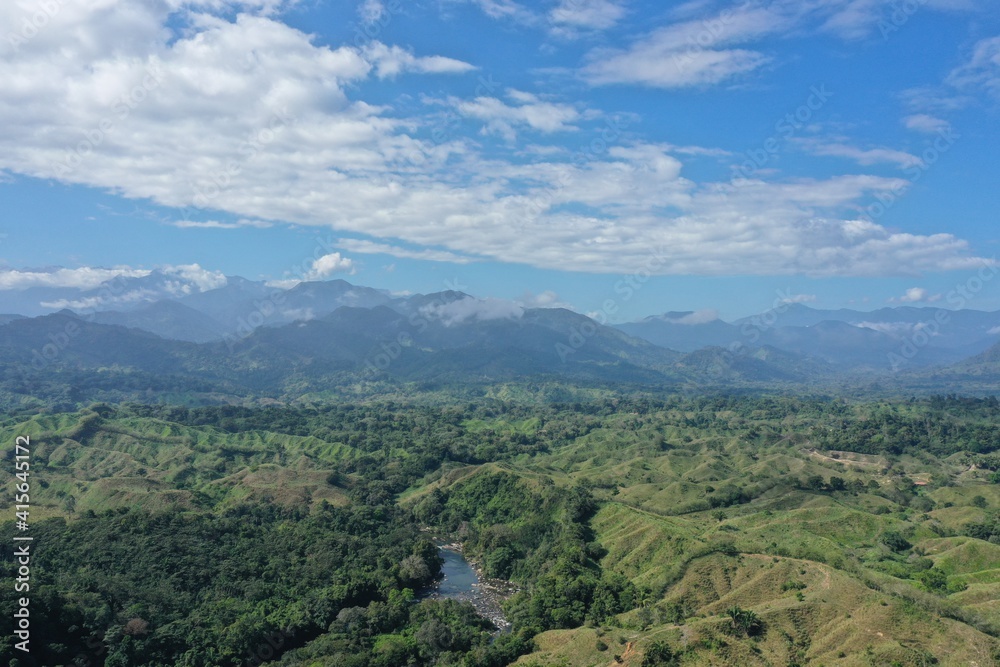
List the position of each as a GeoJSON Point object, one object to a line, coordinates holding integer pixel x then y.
{"type": "Point", "coordinates": [744, 621]}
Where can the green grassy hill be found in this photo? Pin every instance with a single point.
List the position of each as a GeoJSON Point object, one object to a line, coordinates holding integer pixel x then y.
{"type": "Point", "coordinates": [704, 530]}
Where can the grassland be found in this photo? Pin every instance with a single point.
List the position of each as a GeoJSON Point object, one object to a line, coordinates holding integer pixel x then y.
{"type": "Point", "coordinates": [846, 557]}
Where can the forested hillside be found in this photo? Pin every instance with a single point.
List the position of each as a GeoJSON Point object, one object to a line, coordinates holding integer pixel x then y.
{"type": "Point", "coordinates": [639, 528]}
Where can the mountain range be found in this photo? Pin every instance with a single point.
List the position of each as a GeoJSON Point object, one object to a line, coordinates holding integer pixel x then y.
{"type": "Point", "coordinates": [247, 336]}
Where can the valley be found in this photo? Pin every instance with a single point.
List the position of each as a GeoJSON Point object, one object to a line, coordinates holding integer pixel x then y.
{"type": "Point", "coordinates": [635, 526]}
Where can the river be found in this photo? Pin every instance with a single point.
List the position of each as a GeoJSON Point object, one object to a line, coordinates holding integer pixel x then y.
{"type": "Point", "coordinates": [461, 582]}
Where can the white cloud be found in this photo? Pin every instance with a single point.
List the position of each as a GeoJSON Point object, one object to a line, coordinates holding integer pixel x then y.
{"type": "Point", "coordinates": [698, 49]}
{"type": "Point", "coordinates": [896, 329]}
{"type": "Point", "coordinates": [690, 53]}
{"type": "Point", "coordinates": [328, 265]}
{"type": "Point", "coordinates": [657, 65]}
{"type": "Point", "coordinates": [862, 156]}
{"type": "Point", "coordinates": [506, 9]}
{"type": "Point", "coordinates": [799, 298]}
{"type": "Point", "coordinates": [472, 309]}
{"type": "Point", "coordinates": [216, 224]}
{"type": "Point", "coordinates": [391, 61]}
{"type": "Point", "coordinates": [854, 19]}
{"type": "Point", "coordinates": [284, 283]}
{"type": "Point", "coordinates": [546, 299]}
{"type": "Point", "coordinates": [995, 330]}
{"type": "Point", "coordinates": [215, 129]}
{"type": "Point", "coordinates": [428, 254]}
{"type": "Point", "coordinates": [916, 295]}
{"type": "Point", "coordinates": [102, 302]}
{"type": "Point", "coordinates": [697, 317]}
{"type": "Point", "coordinates": [934, 99]}
{"type": "Point", "coordinates": [319, 269]}
{"type": "Point", "coordinates": [299, 314]}
{"type": "Point", "coordinates": [371, 11]}
{"type": "Point", "coordinates": [531, 112]}
{"type": "Point", "coordinates": [192, 277]}
{"type": "Point", "coordinates": [82, 278]}
{"type": "Point", "coordinates": [982, 69]}
{"type": "Point", "coordinates": [926, 123]}
{"type": "Point", "coordinates": [587, 14]}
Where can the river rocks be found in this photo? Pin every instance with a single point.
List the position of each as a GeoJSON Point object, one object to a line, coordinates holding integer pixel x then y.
{"type": "Point", "coordinates": [463, 580]}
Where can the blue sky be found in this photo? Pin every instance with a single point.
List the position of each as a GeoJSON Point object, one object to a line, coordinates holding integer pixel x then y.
{"type": "Point", "coordinates": [691, 156]}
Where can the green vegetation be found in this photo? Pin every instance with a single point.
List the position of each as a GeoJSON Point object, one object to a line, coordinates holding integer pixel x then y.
{"type": "Point", "coordinates": [640, 529]}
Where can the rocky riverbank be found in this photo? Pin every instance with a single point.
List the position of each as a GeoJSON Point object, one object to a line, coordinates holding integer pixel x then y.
{"type": "Point", "coordinates": [464, 580]}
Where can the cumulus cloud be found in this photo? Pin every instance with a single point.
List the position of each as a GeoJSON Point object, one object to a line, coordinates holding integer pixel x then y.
{"type": "Point", "coordinates": [799, 298]}
{"type": "Point", "coordinates": [168, 281]}
{"type": "Point", "coordinates": [546, 299]}
{"type": "Point", "coordinates": [319, 269]}
{"type": "Point", "coordinates": [994, 330]}
{"type": "Point", "coordinates": [83, 278]}
{"type": "Point", "coordinates": [246, 116]}
{"type": "Point", "coordinates": [916, 295]}
{"type": "Point", "coordinates": [391, 61]}
{"type": "Point", "coordinates": [586, 14]}
{"type": "Point", "coordinates": [568, 18]}
{"type": "Point", "coordinates": [925, 123]}
{"type": "Point", "coordinates": [982, 70]}
{"type": "Point", "coordinates": [507, 9]}
{"type": "Point", "coordinates": [371, 11]}
{"type": "Point", "coordinates": [327, 265]}
{"type": "Point", "coordinates": [191, 278]}
{"type": "Point", "coordinates": [528, 111]}
{"type": "Point", "coordinates": [106, 301]}
{"type": "Point", "coordinates": [697, 317]}
{"type": "Point", "coordinates": [472, 309]}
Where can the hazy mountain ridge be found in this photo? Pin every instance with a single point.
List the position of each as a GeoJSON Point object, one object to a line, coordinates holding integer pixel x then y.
{"type": "Point", "coordinates": [255, 335]}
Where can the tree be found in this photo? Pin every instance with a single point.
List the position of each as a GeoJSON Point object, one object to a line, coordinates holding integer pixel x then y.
{"type": "Point", "coordinates": [934, 580]}
{"type": "Point", "coordinates": [413, 570]}
{"type": "Point", "coordinates": [895, 541]}
{"type": "Point", "coordinates": [659, 654]}
{"type": "Point", "coordinates": [744, 621]}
